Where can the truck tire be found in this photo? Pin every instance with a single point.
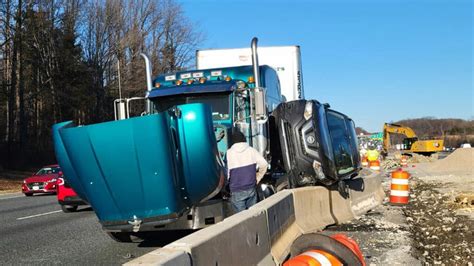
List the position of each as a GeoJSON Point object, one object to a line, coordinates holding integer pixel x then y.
{"type": "Point", "coordinates": [123, 237]}
{"type": "Point", "coordinates": [282, 183]}
{"type": "Point", "coordinates": [68, 208]}
{"type": "Point", "coordinates": [322, 242]}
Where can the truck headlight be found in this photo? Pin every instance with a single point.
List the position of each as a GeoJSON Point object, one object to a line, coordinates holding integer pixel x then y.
{"type": "Point", "coordinates": [308, 110]}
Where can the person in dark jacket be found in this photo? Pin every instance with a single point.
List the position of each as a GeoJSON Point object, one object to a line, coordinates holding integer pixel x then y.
{"type": "Point", "coordinates": [243, 177]}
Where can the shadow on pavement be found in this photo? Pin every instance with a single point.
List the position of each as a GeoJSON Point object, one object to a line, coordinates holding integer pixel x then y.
{"type": "Point", "coordinates": [161, 238]}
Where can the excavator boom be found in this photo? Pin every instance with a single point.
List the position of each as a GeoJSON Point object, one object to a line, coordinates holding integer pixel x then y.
{"type": "Point", "coordinates": [412, 143]}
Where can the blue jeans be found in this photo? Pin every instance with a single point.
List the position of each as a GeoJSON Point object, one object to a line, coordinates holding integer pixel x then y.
{"type": "Point", "coordinates": [242, 200]}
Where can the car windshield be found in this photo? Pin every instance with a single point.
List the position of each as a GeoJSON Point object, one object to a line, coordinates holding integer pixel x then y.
{"type": "Point", "coordinates": [48, 170]}
{"type": "Point", "coordinates": [219, 103]}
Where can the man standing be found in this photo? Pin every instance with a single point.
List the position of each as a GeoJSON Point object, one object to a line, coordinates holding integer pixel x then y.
{"type": "Point", "coordinates": [242, 163]}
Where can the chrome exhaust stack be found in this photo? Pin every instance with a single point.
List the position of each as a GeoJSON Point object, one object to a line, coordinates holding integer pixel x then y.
{"type": "Point", "coordinates": [255, 65]}
{"type": "Point", "coordinates": [149, 83]}
{"type": "Point", "coordinates": [259, 116]}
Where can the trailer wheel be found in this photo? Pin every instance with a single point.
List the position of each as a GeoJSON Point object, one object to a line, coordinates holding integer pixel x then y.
{"type": "Point", "coordinates": [322, 242]}
{"type": "Point", "coordinates": [123, 237]}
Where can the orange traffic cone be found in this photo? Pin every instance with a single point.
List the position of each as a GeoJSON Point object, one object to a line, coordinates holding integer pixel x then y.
{"type": "Point", "coordinates": [375, 165]}
{"type": "Point", "coordinates": [399, 189]}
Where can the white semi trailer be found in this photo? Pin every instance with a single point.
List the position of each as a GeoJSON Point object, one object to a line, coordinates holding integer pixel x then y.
{"type": "Point", "coordinates": [286, 60]}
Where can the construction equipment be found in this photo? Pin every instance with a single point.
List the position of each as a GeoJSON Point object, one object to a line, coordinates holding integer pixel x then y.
{"type": "Point", "coordinates": [411, 143]}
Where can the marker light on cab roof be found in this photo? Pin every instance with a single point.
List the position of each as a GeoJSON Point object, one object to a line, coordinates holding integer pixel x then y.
{"type": "Point", "coordinates": [179, 82]}
{"type": "Point", "coordinates": [157, 84]}
{"type": "Point", "coordinates": [190, 81]}
{"type": "Point", "coordinates": [228, 79]}
{"type": "Point", "coordinates": [251, 79]}
{"type": "Point", "coordinates": [202, 80]}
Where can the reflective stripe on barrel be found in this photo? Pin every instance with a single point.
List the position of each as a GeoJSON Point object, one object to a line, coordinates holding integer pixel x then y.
{"type": "Point", "coordinates": [314, 257]}
{"type": "Point", "coordinates": [375, 165]}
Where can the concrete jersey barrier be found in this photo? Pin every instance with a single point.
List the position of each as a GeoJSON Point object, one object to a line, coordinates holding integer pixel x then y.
{"type": "Point", "coordinates": [263, 234]}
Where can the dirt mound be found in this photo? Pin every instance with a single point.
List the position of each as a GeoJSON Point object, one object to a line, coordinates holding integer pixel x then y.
{"type": "Point", "coordinates": [459, 160]}
{"type": "Point", "coordinates": [417, 158]}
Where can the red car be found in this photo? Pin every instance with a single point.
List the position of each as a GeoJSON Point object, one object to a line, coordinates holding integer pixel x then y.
{"type": "Point", "coordinates": [67, 197]}
{"type": "Point", "coordinates": [44, 181]}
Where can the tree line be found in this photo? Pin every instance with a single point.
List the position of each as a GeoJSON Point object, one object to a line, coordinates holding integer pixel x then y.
{"type": "Point", "coordinates": [59, 61]}
{"type": "Point", "coordinates": [453, 131]}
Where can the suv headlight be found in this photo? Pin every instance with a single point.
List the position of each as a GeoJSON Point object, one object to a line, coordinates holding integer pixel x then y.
{"type": "Point", "coordinates": [308, 110]}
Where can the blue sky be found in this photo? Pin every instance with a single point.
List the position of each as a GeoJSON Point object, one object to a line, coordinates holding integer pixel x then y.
{"type": "Point", "coordinates": [377, 61]}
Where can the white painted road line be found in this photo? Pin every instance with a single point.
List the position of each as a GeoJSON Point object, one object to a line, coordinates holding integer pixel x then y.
{"type": "Point", "coordinates": [37, 215]}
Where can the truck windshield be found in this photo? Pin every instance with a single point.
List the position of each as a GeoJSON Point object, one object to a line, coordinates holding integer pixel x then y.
{"type": "Point", "coordinates": [219, 103]}
{"type": "Point", "coordinates": [340, 143]}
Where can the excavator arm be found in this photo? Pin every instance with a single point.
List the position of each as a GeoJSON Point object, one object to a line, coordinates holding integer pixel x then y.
{"type": "Point", "coordinates": [395, 129]}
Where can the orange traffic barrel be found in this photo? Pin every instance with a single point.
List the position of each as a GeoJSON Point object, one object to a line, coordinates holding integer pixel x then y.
{"type": "Point", "coordinates": [399, 189]}
{"type": "Point", "coordinates": [318, 249]}
{"type": "Point", "coordinates": [365, 162]}
{"type": "Point", "coordinates": [404, 161]}
{"type": "Point", "coordinates": [375, 165]}
{"type": "Point", "coordinates": [314, 257]}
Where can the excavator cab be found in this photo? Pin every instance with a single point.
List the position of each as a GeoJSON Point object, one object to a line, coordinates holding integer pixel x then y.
{"type": "Point", "coordinates": [408, 142]}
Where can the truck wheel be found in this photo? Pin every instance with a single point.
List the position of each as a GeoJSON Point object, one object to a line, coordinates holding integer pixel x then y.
{"type": "Point", "coordinates": [123, 237]}
{"type": "Point", "coordinates": [322, 242]}
{"type": "Point", "coordinates": [68, 208]}
{"type": "Point", "coordinates": [282, 183]}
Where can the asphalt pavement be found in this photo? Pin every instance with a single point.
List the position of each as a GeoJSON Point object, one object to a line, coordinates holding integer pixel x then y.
{"type": "Point", "coordinates": [34, 230]}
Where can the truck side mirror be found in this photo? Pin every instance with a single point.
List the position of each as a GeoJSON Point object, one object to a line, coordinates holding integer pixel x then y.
{"type": "Point", "coordinates": [260, 104]}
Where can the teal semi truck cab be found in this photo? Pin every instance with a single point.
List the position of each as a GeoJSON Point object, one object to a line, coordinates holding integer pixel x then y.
{"type": "Point", "coordinates": [166, 169]}
{"type": "Point", "coordinates": [232, 96]}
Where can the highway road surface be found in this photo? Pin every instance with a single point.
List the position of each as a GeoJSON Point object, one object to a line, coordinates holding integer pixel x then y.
{"type": "Point", "coordinates": [34, 230]}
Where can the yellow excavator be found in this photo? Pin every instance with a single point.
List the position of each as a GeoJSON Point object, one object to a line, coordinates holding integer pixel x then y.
{"type": "Point", "coordinates": [411, 143]}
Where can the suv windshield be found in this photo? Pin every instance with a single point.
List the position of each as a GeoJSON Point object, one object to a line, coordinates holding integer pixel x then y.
{"type": "Point", "coordinates": [48, 170]}
{"type": "Point", "coordinates": [219, 103]}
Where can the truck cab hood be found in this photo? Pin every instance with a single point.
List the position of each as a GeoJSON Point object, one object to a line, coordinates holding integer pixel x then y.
{"type": "Point", "coordinates": [150, 168]}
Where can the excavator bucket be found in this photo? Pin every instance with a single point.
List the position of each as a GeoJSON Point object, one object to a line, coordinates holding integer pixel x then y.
{"type": "Point", "coordinates": [143, 171]}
